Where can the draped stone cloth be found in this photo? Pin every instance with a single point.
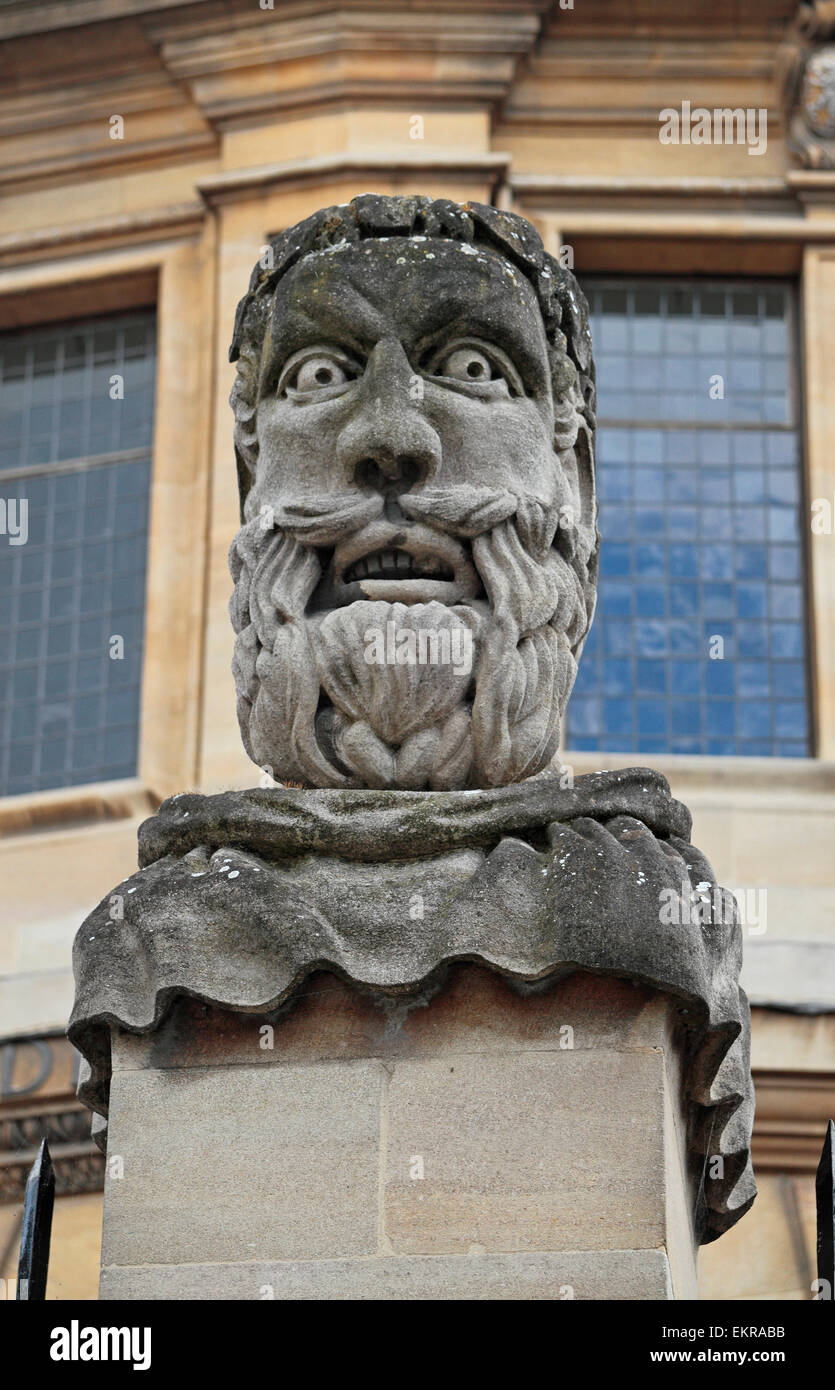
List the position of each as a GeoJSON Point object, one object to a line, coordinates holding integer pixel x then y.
{"type": "Point", "coordinates": [240, 896]}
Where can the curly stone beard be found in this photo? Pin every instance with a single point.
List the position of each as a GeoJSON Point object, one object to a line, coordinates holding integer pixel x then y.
{"type": "Point", "coordinates": [313, 710]}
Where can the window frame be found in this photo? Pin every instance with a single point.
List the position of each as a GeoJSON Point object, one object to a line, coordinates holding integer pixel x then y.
{"type": "Point", "coordinates": [172, 278]}
{"type": "Point", "coordinates": [107, 473]}
{"type": "Point", "coordinates": [630, 278]}
{"type": "Point", "coordinates": [736, 244]}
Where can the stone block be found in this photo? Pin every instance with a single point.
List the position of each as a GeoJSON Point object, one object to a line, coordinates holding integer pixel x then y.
{"type": "Point", "coordinates": [538, 1151]}
{"type": "Point", "coordinates": [480, 1143]}
{"type": "Point", "coordinates": [613, 1274]}
{"type": "Point", "coordinates": [236, 1163]}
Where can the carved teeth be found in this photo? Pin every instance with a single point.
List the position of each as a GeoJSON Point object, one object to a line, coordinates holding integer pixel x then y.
{"type": "Point", "coordinates": [396, 564]}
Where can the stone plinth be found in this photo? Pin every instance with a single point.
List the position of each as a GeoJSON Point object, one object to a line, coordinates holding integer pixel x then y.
{"type": "Point", "coordinates": [481, 1143]}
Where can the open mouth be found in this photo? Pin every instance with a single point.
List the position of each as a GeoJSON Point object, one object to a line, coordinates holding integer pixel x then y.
{"type": "Point", "coordinates": [410, 563]}
{"type": "Point", "coordinates": [397, 564]}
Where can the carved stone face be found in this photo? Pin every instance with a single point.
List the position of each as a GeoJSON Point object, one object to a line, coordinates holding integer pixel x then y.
{"type": "Point", "coordinates": [419, 521]}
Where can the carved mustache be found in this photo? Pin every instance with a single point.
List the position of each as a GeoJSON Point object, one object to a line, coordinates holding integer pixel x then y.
{"type": "Point", "coordinates": [465, 512]}
{"type": "Point", "coordinates": [470, 512]}
{"type": "Point", "coordinates": [511, 533]}
{"type": "Point", "coordinates": [344, 514]}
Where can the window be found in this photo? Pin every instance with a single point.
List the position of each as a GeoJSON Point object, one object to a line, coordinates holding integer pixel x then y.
{"type": "Point", "coordinates": [74, 477]}
{"type": "Point", "coordinates": [699, 642]}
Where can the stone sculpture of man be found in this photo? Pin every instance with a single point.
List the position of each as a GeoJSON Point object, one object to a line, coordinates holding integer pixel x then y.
{"type": "Point", "coordinates": [414, 431]}
{"type": "Point", "coordinates": [414, 579]}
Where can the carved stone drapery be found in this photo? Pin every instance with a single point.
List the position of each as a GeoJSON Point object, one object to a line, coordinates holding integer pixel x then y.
{"type": "Point", "coordinates": [243, 895]}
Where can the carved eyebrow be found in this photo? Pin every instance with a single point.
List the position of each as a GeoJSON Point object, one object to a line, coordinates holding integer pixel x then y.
{"type": "Point", "coordinates": [349, 318]}
{"type": "Point", "coordinates": [466, 327]}
{"type": "Point", "coordinates": [531, 364]}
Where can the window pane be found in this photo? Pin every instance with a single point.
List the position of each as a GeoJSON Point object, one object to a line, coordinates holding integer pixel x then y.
{"type": "Point", "coordinates": [77, 406]}
{"type": "Point", "coordinates": [698, 644]}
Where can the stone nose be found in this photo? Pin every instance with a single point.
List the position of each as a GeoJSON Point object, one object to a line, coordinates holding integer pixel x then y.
{"type": "Point", "coordinates": [388, 444]}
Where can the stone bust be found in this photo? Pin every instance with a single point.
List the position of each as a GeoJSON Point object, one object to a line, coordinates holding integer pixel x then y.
{"type": "Point", "coordinates": [416, 567]}
{"type": "Point", "coordinates": [414, 579]}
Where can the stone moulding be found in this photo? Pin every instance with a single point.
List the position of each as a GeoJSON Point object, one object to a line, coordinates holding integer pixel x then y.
{"type": "Point", "coordinates": [242, 895]}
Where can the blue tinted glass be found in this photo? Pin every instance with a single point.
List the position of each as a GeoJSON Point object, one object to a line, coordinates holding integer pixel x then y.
{"type": "Point", "coordinates": [71, 714]}
{"type": "Point", "coordinates": [685, 678]}
{"type": "Point", "coordinates": [700, 625]}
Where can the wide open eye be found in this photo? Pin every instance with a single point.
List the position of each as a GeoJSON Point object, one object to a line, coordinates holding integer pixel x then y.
{"type": "Point", "coordinates": [315, 371]}
{"type": "Point", "coordinates": [475, 363]}
{"type": "Point", "coordinates": [465, 364]}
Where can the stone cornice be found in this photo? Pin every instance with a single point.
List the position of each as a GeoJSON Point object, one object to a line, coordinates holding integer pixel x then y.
{"type": "Point", "coordinates": [24, 18]}
{"type": "Point", "coordinates": [813, 187]}
{"type": "Point", "coordinates": [73, 806]}
{"type": "Point", "coordinates": [282, 35]}
{"type": "Point", "coordinates": [261, 62]}
{"type": "Point", "coordinates": [180, 76]}
{"type": "Point", "coordinates": [243, 183]}
{"type": "Point", "coordinates": [702, 188]}
{"type": "Point", "coordinates": [26, 111]}
{"type": "Point", "coordinates": [132, 229]}
{"type": "Point", "coordinates": [84, 165]}
{"type": "Point", "coordinates": [792, 1111]}
{"type": "Point", "coordinates": [653, 223]}
{"type": "Point", "coordinates": [679, 56]}
{"type": "Point", "coordinates": [639, 18]}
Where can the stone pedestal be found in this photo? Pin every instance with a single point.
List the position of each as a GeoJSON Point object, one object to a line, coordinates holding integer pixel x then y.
{"type": "Point", "coordinates": [480, 1142]}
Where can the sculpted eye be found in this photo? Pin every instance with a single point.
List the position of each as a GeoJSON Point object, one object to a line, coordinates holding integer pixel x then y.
{"type": "Point", "coordinates": [465, 364]}
{"type": "Point", "coordinates": [315, 371]}
{"type": "Point", "coordinates": [476, 363]}
{"type": "Point", "coordinates": [319, 371]}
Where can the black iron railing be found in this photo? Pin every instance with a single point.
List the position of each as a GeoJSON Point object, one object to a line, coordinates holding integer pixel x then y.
{"type": "Point", "coordinates": [37, 1228]}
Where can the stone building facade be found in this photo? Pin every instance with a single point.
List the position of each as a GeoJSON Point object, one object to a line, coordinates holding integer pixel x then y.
{"type": "Point", "coordinates": [681, 162]}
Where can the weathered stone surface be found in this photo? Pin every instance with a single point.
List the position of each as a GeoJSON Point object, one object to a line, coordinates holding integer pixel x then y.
{"type": "Point", "coordinates": [548, 1151]}
{"type": "Point", "coordinates": [226, 1162]}
{"type": "Point", "coordinates": [584, 1274]}
{"type": "Point", "coordinates": [563, 890]}
{"type": "Point", "coordinates": [375, 827]}
{"type": "Point", "coordinates": [416, 570]}
{"type": "Point", "coordinates": [680, 1177]}
{"type": "Point", "coordinates": [329, 1019]}
{"type": "Point", "coordinates": [415, 576]}
{"type": "Point", "coordinates": [548, 1136]}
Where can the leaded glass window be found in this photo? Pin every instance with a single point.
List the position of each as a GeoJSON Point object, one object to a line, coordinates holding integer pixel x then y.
{"type": "Point", "coordinates": [699, 642]}
{"type": "Point", "coordinates": [75, 453]}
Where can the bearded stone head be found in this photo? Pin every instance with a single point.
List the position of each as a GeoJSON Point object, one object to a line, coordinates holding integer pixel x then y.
{"type": "Point", "coordinates": [416, 568]}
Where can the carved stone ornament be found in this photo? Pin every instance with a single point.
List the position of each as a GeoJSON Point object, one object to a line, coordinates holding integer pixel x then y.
{"type": "Point", "coordinates": [809, 85]}
{"type": "Point", "coordinates": [414, 427]}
